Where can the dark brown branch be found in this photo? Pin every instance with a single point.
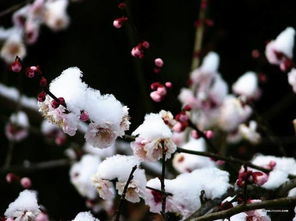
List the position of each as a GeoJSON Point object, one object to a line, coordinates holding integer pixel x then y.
{"type": "Point", "coordinates": [275, 203]}
{"type": "Point", "coordinates": [36, 166]}
{"type": "Point", "coordinates": [131, 176]}
{"type": "Point", "coordinates": [14, 8]}
{"type": "Point", "coordinates": [226, 159]}
{"type": "Point", "coordinates": [166, 193]}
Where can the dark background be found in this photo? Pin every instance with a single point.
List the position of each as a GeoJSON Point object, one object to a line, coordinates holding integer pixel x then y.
{"type": "Point", "coordinates": [102, 53]}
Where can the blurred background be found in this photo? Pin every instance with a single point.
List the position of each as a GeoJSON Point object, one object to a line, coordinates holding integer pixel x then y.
{"type": "Point", "coordinates": [103, 54]}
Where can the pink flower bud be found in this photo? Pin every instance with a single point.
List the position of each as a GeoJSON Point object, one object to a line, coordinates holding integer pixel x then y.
{"type": "Point", "coordinates": [41, 96]}
{"type": "Point", "coordinates": [145, 44]}
{"type": "Point", "coordinates": [32, 71]}
{"type": "Point", "coordinates": [155, 85]}
{"type": "Point", "coordinates": [62, 101]}
{"type": "Point", "coordinates": [43, 82]}
{"type": "Point", "coordinates": [187, 107]}
{"type": "Point", "coordinates": [60, 140]}
{"type": "Point", "coordinates": [84, 116]}
{"type": "Point", "coordinates": [118, 23]}
{"type": "Point", "coordinates": [259, 178]}
{"type": "Point", "coordinates": [55, 104]}
{"type": "Point", "coordinates": [158, 62]}
{"type": "Point", "coordinates": [168, 84]}
{"type": "Point", "coordinates": [155, 96]}
{"type": "Point", "coordinates": [16, 66]}
{"type": "Point", "coordinates": [137, 52]}
{"type": "Point", "coordinates": [195, 134]}
{"type": "Point", "coordinates": [26, 182]}
{"type": "Point", "coordinates": [161, 91]}
{"type": "Point", "coordinates": [180, 126]}
{"type": "Point", "coordinates": [209, 134]}
{"type": "Point", "coordinates": [11, 177]}
{"type": "Point", "coordinates": [272, 164]}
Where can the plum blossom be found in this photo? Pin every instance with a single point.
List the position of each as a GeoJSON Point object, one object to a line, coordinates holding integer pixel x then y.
{"type": "Point", "coordinates": [153, 136]}
{"type": "Point", "coordinates": [247, 86]}
{"type": "Point", "coordinates": [249, 132]}
{"type": "Point", "coordinates": [184, 162]}
{"type": "Point", "coordinates": [281, 168]}
{"type": "Point", "coordinates": [184, 190]}
{"type": "Point", "coordinates": [85, 216]}
{"type": "Point", "coordinates": [17, 127]}
{"type": "Point", "coordinates": [81, 173]}
{"type": "Point", "coordinates": [56, 17]}
{"type": "Point", "coordinates": [280, 51]}
{"type": "Point", "coordinates": [24, 208]}
{"type": "Point", "coordinates": [117, 169]}
{"type": "Point", "coordinates": [233, 113]}
{"type": "Point", "coordinates": [107, 117]}
{"type": "Point", "coordinates": [13, 45]}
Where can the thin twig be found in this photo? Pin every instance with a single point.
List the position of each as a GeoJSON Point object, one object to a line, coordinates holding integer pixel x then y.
{"type": "Point", "coordinates": [279, 203]}
{"type": "Point", "coordinates": [9, 154]}
{"type": "Point", "coordinates": [14, 8]}
{"type": "Point", "coordinates": [124, 193]}
{"type": "Point", "coordinates": [203, 135]}
{"type": "Point", "coordinates": [37, 166]}
{"type": "Point", "coordinates": [226, 159]}
{"type": "Point", "coordinates": [166, 193]}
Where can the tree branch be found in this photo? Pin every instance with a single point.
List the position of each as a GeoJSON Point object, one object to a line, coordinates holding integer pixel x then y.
{"type": "Point", "coordinates": [281, 202]}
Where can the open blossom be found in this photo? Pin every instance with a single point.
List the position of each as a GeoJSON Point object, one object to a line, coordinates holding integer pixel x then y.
{"type": "Point", "coordinates": [233, 113]}
{"type": "Point", "coordinates": [281, 168]}
{"type": "Point", "coordinates": [24, 208]}
{"type": "Point", "coordinates": [56, 16]}
{"type": "Point", "coordinates": [13, 45]}
{"type": "Point", "coordinates": [17, 127]}
{"type": "Point", "coordinates": [117, 169]}
{"type": "Point", "coordinates": [185, 190]}
{"type": "Point", "coordinates": [154, 137]}
{"type": "Point", "coordinates": [108, 118]}
{"type": "Point", "coordinates": [100, 153]}
{"type": "Point", "coordinates": [184, 162]}
{"type": "Point", "coordinates": [249, 132]}
{"type": "Point", "coordinates": [280, 50]}
{"type": "Point", "coordinates": [85, 216]}
{"type": "Point", "coordinates": [247, 86]}
{"type": "Point", "coordinates": [81, 174]}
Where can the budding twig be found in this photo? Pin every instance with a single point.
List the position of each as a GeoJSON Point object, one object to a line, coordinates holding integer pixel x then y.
{"type": "Point", "coordinates": [280, 202]}
{"type": "Point", "coordinates": [226, 159]}
{"type": "Point", "coordinates": [131, 176]}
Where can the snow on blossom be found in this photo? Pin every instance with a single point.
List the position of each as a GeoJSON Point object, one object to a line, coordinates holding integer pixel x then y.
{"type": "Point", "coordinates": [117, 169]}
{"type": "Point", "coordinates": [292, 79]}
{"type": "Point", "coordinates": [280, 50]}
{"type": "Point", "coordinates": [101, 153]}
{"type": "Point", "coordinates": [85, 216]}
{"type": "Point", "coordinates": [56, 17]}
{"type": "Point", "coordinates": [184, 162]}
{"type": "Point", "coordinates": [13, 45]}
{"type": "Point", "coordinates": [107, 116]}
{"type": "Point", "coordinates": [233, 113]}
{"type": "Point", "coordinates": [24, 208]}
{"type": "Point", "coordinates": [185, 190]}
{"type": "Point", "coordinates": [247, 86]}
{"type": "Point", "coordinates": [81, 173]}
{"type": "Point", "coordinates": [153, 136]}
{"type": "Point", "coordinates": [281, 168]}
{"type": "Point", "coordinates": [292, 192]}
{"type": "Point", "coordinates": [17, 127]}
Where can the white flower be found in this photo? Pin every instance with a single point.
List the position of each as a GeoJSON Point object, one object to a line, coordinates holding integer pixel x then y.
{"type": "Point", "coordinates": [56, 16]}
{"type": "Point", "coordinates": [17, 127]}
{"type": "Point", "coordinates": [280, 50]}
{"type": "Point", "coordinates": [85, 216]}
{"type": "Point", "coordinates": [101, 153]}
{"type": "Point", "coordinates": [117, 169]}
{"type": "Point", "coordinates": [81, 174]}
{"type": "Point", "coordinates": [249, 132]}
{"type": "Point", "coordinates": [281, 168]}
{"type": "Point", "coordinates": [24, 208]}
{"type": "Point", "coordinates": [185, 190]}
{"type": "Point", "coordinates": [154, 136]}
{"type": "Point", "coordinates": [233, 113]}
{"type": "Point", "coordinates": [13, 46]}
{"type": "Point", "coordinates": [185, 163]}
{"type": "Point", "coordinates": [247, 85]}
